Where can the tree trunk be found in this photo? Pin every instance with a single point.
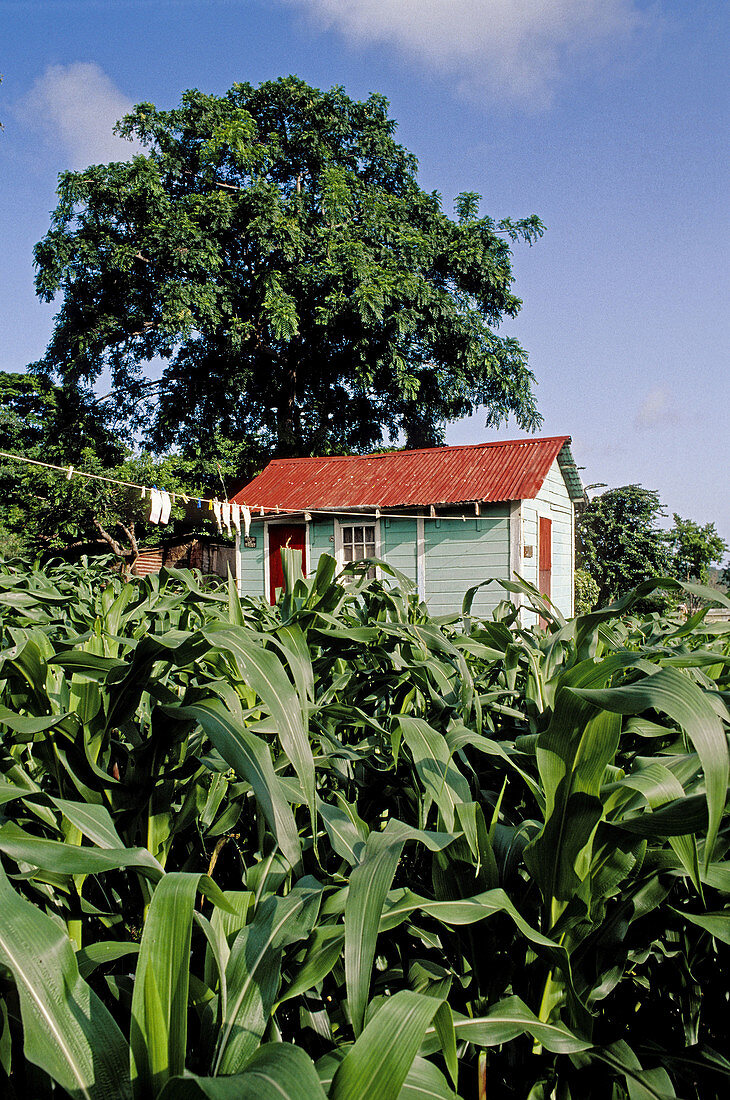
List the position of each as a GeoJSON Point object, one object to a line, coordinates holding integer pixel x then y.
{"type": "Point", "coordinates": [287, 442]}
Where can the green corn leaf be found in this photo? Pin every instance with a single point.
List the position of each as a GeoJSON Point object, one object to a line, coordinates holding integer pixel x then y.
{"type": "Point", "coordinates": [265, 673]}
{"type": "Point", "coordinates": [504, 1022]}
{"type": "Point", "coordinates": [95, 822]}
{"type": "Point", "coordinates": [717, 924]}
{"type": "Point", "coordinates": [675, 695]}
{"type": "Point", "coordinates": [101, 953]}
{"type": "Point", "coordinates": [440, 777]}
{"type": "Point", "coordinates": [324, 948]}
{"type": "Point", "coordinates": [68, 859]}
{"type": "Point", "coordinates": [378, 1064]}
{"type": "Point", "coordinates": [158, 1036]}
{"type": "Point", "coordinates": [346, 836]}
{"type": "Point", "coordinates": [67, 1031]}
{"type": "Point", "coordinates": [253, 971]}
{"type": "Point", "coordinates": [426, 1082]}
{"type": "Point", "coordinates": [251, 758]}
{"type": "Point", "coordinates": [572, 756]}
{"type": "Point", "coordinates": [277, 1071]}
{"type": "Point", "coordinates": [369, 885]}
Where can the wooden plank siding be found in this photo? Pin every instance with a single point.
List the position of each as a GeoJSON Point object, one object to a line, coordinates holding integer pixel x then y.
{"type": "Point", "coordinates": [398, 545]}
{"type": "Point", "coordinates": [321, 540]}
{"type": "Point", "coordinates": [460, 554]}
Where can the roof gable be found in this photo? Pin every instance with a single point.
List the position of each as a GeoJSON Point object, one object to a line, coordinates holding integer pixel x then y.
{"type": "Point", "coordinates": [499, 471]}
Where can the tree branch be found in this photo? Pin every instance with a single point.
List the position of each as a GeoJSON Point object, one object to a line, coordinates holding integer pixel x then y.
{"type": "Point", "coordinates": [116, 548]}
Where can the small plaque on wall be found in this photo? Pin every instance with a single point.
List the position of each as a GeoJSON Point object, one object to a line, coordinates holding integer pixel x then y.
{"type": "Point", "coordinates": [249, 541]}
{"type": "Point", "coordinates": [528, 551]}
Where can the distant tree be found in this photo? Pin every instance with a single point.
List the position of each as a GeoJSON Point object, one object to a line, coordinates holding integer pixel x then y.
{"type": "Point", "coordinates": [694, 548]}
{"type": "Point", "coordinates": [585, 591]}
{"type": "Point", "coordinates": [619, 542]}
{"type": "Point", "coordinates": [274, 249]}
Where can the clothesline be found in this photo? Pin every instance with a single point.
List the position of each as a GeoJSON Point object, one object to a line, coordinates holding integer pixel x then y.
{"type": "Point", "coordinates": [354, 511]}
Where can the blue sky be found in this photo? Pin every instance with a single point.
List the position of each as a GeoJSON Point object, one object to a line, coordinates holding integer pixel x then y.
{"type": "Point", "coordinates": [607, 118]}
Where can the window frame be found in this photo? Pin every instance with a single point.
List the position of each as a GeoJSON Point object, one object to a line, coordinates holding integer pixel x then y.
{"type": "Point", "coordinates": [355, 521]}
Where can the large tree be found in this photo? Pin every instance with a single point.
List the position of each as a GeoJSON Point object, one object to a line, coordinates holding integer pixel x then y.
{"type": "Point", "coordinates": [274, 249]}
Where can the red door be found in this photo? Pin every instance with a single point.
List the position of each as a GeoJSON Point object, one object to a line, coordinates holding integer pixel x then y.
{"type": "Point", "coordinates": [545, 559]}
{"type": "Point", "coordinates": [283, 534]}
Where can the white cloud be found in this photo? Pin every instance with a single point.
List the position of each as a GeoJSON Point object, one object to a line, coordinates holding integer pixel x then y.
{"type": "Point", "coordinates": [658, 410]}
{"type": "Point", "coordinates": [77, 106]}
{"type": "Point", "coordinates": [516, 49]}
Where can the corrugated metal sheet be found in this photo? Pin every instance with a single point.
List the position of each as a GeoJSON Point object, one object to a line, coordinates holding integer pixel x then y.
{"type": "Point", "coordinates": [498, 471]}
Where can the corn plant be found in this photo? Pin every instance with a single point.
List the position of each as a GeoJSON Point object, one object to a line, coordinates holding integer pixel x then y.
{"type": "Point", "coordinates": [339, 848]}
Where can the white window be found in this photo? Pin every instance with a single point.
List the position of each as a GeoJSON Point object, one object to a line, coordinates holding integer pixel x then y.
{"type": "Point", "coordinates": [357, 542]}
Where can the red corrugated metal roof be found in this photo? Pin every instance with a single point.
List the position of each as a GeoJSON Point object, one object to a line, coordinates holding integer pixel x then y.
{"type": "Point", "coordinates": [499, 471]}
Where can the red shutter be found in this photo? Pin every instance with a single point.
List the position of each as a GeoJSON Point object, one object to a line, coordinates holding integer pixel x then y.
{"type": "Point", "coordinates": [545, 558]}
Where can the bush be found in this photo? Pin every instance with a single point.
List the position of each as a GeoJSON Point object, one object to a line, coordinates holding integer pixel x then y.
{"type": "Point", "coordinates": [586, 592]}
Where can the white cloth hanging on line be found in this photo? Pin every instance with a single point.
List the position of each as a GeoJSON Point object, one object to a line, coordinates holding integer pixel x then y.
{"type": "Point", "coordinates": [236, 517]}
{"type": "Point", "coordinates": [155, 505]}
{"type": "Point", "coordinates": [246, 519]}
{"type": "Point", "coordinates": [217, 514]}
{"type": "Point", "coordinates": [166, 506]}
{"type": "Point", "coordinates": [226, 516]}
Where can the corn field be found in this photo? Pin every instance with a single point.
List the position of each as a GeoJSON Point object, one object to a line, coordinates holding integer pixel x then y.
{"type": "Point", "coordinates": [338, 848]}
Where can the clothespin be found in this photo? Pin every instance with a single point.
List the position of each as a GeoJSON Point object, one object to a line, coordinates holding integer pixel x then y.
{"type": "Point", "coordinates": [70, 473]}
{"type": "Point", "coordinates": [433, 512]}
{"type": "Point", "coordinates": [186, 500]}
{"type": "Point", "coordinates": [261, 510]}
{"type": "Point", "coordinates": [199, 504]}
{"type": "Point", "coordinates": [377, 513]}
{"type": "Point", "coordinates": [308, 517]}
{"type": "Point", "coordinates": [143, 494]}
{"type": "Point", "coordinates": [277, 509]}
{"type": "Point", "coordinates": [172, 497]}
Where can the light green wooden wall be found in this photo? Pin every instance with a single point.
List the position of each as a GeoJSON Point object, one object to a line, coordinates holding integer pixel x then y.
{"type": "Point", "coordinates": [460, 554]}
{"type": "Point", "coordinates": [320, 542]}
{"type": "Point", "coordinates": [252, 565]}
{"type": "Point", "coordinates": [398, 545]}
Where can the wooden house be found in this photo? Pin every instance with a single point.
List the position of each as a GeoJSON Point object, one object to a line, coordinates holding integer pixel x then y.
{"type": "Point", "coordinates": [446, 517]}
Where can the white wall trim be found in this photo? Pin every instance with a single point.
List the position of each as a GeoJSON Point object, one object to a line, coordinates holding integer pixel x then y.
{"type": "Point", "coordinates": [267, 574]}
{"type": "Point", "coordinates": [515, 538]}
{"type": "Point", "coordinates": [572, 560]}
{"type": "Point", "coordinates": [239, 580]}
{"type": "Point", "coordinates": [421, 557]}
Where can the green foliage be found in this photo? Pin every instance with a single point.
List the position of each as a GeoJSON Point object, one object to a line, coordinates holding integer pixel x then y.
{"type": "Point", "coordinates": [694, 549]}
{"type": "Point", "coordinates": [619, 542]}
{"type": "Point", "coordinates": [273, 247]}
{"type": "Point", "coordinates": [44, 511]}
{"type": "Point", "coordinates": [586, 592]}
{"type": "Point", "coordinates": [337, 848]}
